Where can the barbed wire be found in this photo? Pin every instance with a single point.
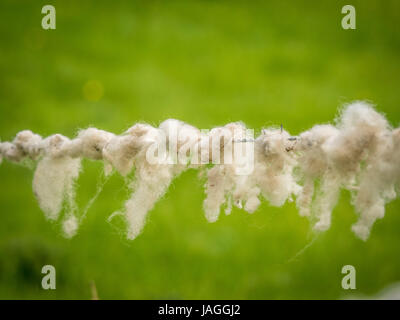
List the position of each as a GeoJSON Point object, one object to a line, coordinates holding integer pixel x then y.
{"type": "Point", "coordinates": [359, 152]}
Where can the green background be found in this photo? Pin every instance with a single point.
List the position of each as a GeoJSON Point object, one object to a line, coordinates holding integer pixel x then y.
{"type": "Point", "coordinates": [206, 63]}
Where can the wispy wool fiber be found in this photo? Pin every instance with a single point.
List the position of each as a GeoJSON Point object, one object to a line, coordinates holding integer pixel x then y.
{"type": "Point", "coordinates": [359, 152]}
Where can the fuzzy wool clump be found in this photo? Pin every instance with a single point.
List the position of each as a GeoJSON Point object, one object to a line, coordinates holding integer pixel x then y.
{"type": "Point", "coordinates": [53, 183]}
{"type": "Point", "coordinates": [349, 156]}
{"type": "Point", "coordinates": [359, 152]}
{"type": "Point", "coordinates": [70, 226]}
{"type": "Point", "coordinates": [223, 182]}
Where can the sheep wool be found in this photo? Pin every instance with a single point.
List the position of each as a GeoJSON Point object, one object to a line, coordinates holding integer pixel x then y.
{"type": "Point", "coordinates": [359, 152]}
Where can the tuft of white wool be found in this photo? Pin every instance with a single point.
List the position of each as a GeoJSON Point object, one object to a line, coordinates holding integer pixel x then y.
{"type": "Point", "coordinates": [121, 150]}
{"type": "Point", "coordinates": [28, 143]}
{"type": "Point", "coordinates": [313, 166]}
{"type": "Point", "coordinates": [360, 128]}
{"type": "Point", "coordinates": [224, 185]}
{"type": "Point", "coordinates": [274, 166]}
{"type": "Point", "coordinates": [10, 152]}
{"type": "Point", "coordinates": [360, 153]}
{"type": "Point", "coordinates": [70, 226]}
{"type": "Point", "coordinates": [377, 182]}
{"type": "Point", "coordinates": [153, 179]}
{"type": "Point", "coordinates": [364, 135]}
{"type": "Point", "coordinates": [89, 144]}
{"type": "Point", "coordinates": [53, 183]}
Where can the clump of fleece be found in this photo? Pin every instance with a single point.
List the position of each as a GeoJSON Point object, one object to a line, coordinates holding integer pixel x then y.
{"type": "Point", "coordinates": [89, 144]}
{"type": "Point", "coordinates": [70, 226]}
{"type": "Point", "coordinates": [314, 165]}
{"type": "Point", "coordinates": [152, 179]}
{"type": "Point", "coordinates": [121, 150]}
{"type": "Point", "coordinates": [53, 183]}
{"type": "Point", "coordinates": [274, 166]}
{"type": "Point", "coordinates": [360, 153]}
{"type": "Point", "coordinates": [380, 173]}
{"type": "Point", "coordinates": [363, 139]}
{"type": "Point", "coordinates": [352, 155]}
{"type": "Point", "coordinates": [271, 177]}
{"type": "Point", "coordinates": [54, 178]}
{"type": "Point", "coordinates": [221, 178]}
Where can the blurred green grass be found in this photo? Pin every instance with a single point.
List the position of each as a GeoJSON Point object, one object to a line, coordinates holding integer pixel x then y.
{"type": "Point", "coordinates": [206, 63]}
